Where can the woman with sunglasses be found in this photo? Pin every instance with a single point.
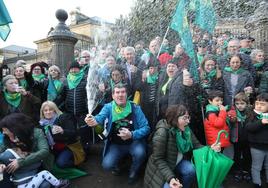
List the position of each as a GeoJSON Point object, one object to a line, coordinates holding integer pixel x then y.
{"type": "Point", "coordinates": [169, 165]}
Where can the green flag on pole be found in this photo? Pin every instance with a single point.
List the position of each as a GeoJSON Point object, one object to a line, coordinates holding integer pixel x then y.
{"type": "Point", "coordinates": [180, 24]}
{"type": "Point", "coordinates": [4, 21]}
{"type": "Point", "coordinates": [205, 17]}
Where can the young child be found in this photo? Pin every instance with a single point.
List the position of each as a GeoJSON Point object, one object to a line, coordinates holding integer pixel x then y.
{"type": "Point", "coordinates": [238, 136]}
{"type": "Point", "coordinates": [215, 119]}
{"type": "Point", "coordinates": [257, 128]}
{"type": "Point", "coordinates": [28, 177]}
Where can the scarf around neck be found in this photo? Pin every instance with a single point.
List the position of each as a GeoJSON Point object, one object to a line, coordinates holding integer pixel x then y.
{"type": "Point", "coordinates": [183, 139]}
{"type": "Point", "coordinates": [23, 83]}
{"type": "Point", "coordinates": [240, 116]}
{"type": "Point", "coordinates": [119, 112]}
{"type": "Point", "coordinates": [208, 77]}
{"type": "Point", "coordinates": [164, 87]}
{"type": "Point", "coordinates": [151, 79]}
{"type": "Point", "coordinates": [229, 69]}
{"type": "Point", "coordinates": [47, 125]}
{"type": "Point", "coordinates": [258, 65]}
{"type": "Point", "coordinates": [212, 108]}
{"type": "Point", "coordinates": [73, 79]}
{"type": "Point", "coordinates": [38, 77]}
{"type": "Point", "coordinates": [13, 99]}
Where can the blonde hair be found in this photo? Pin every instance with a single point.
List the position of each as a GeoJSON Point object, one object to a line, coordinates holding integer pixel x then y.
{"type": "Point", "coordinates": [56, 68]}
{"type": "Point", "coordinates": [50, 104]}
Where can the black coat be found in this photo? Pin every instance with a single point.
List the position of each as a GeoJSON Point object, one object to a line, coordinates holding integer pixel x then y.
{"type": "Point", "coordinates": [75, 100]}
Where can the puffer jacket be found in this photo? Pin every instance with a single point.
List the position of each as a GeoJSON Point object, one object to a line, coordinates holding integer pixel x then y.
{"type": "Point", "coordinates": [75, 100]}
{"type": "Point", "coordinates": [165, 156]}
{"type": "Point", "coordinates": [213, 123]}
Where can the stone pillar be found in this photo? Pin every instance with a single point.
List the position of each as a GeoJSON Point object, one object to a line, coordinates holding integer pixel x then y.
{"type": "Point", "coordinates": [62, 42]}
{"type": "Point", "coordinates": [257, 26]}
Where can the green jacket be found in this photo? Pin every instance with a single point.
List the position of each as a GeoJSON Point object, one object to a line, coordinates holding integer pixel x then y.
{"type": "Point", "coordinates": [165, 156]}
{"type": "Point", "coordinates": [40, 152]}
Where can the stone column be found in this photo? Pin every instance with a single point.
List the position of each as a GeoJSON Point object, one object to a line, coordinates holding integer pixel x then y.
{"type": "Point", "coordinates": [62, 42]}
{"type": "Point", "coordinates": [257, 26]}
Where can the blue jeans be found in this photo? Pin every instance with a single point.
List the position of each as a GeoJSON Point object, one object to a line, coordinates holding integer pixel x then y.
{"type": "Point", "coordinates": [65, 159]}
{"type": "Point", "coordinates": [186, 171]}
{"type": "Point", "coordinates": [137, 150]}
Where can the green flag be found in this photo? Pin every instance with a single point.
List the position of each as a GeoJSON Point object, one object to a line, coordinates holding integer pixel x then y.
{"type": "Point", "coordinates": [180, 24]}
{"type": "Point", "coordinates": [205, 17]}
{"type": "Point", "coordinates": [4, 21]}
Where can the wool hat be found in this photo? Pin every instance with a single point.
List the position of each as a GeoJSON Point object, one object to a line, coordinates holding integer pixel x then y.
{"type": "Point", "coordinates": [74, 64]}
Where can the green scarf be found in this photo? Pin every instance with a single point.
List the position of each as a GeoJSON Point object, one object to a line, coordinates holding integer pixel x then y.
{"type": "Point", "coordinates": [151, 79]}
{"type": "Point", "coordinates": [183, 139]}
{"type": "Point", "coordinates": [164, 87]}
{"type": "Point", "coordinates": [229, 69]}
{"type": "Point", "coordinates": [119, 112]}
{"type": "Point", "coordinates": [258, 65]}
{"type": "Point", "coordinates": [23, 83]}
{"type": "Point", "coordinates": [240, 117]}
{"type": "Point", "coordinates": [245, 50]}
{"type": "Point", "coordinates": [38, 77]}
{"type": "Point", "coordinates": [212, 108]}
{"type": "Point", "coordinates": [58, 85]}
{"type": "Point", "coordinates": [13, 99]}
{"type": "Point", "coordinates": [74, 79]}
{"type": "Point", "coordinates": [208, 77]}
{"type": "Point", "coordinates": [261, 115]}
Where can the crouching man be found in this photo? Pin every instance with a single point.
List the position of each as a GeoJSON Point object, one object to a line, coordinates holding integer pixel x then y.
{"type": "Point", "coordinates": [127, 130]}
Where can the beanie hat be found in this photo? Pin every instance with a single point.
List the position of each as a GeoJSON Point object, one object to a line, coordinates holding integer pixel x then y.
{"type": "Point", "coordinates": [74, 64]}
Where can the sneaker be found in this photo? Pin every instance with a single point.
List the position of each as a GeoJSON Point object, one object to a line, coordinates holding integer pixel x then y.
{"type": "Point", "coordinates": [238, 176]}
{"type": "Point", "coordinates": [63, 183]}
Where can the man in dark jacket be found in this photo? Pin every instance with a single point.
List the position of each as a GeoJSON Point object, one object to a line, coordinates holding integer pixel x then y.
{"type": "Point", "coordinates": [74, 99]}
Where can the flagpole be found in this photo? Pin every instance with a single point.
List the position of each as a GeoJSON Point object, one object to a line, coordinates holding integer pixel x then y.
{"type": "Point", "coordinates": [163, 42]}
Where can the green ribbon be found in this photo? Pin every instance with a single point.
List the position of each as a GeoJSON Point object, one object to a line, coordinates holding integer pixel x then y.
{"type": "Point", "coordinates": [229, 69]}
{"type": "Point", "coordinates": [119, 112]}
{"type": "Point", "coordinates": [23, 83]}
{"type": "Point", "coordinates": [47, 127]}
{"type": "Point", "coordinates": [212, 108]}
{"type": "Point", "coordinates": [151, 79]}
{"type": "Point", "coordinates": [13, 99]}
{"type": "Point", "coordinates": [73, 79]}
{"type": "Point", "coordinates": [183, 139]}
{"type": "Point", "coordinates": [38, 77]}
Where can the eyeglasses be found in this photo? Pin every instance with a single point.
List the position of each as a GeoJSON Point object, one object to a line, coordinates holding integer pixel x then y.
{"type": "Point", "coordinates": [85, 56]}
{"type": "Point", "coordinates": [36, 69]}
{"type": "Point", "coordinates": [185, 117]}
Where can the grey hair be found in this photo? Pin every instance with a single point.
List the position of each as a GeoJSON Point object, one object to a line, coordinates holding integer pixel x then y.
{"type": "Point", "coordinates": [129, 49]}
{"type": "Point", "coordinates": [254, 53]}
{"type": "Point", "coordinates": [8, 77]}
{"type": "Point", "coordinates": [54, 67]}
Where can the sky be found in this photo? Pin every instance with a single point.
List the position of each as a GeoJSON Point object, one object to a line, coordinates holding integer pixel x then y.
{"type": "Point", "coordinates": [32, 19]}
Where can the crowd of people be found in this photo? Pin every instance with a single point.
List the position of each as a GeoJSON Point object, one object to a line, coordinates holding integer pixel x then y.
{"type": "Point", "coordinates": [150, 108]}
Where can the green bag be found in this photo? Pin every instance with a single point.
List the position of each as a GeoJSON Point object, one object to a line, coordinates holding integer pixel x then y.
{"type": "Point", "coordinates": [211, 167]}
{"type": "Point", "coordinates": [67, 173]}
